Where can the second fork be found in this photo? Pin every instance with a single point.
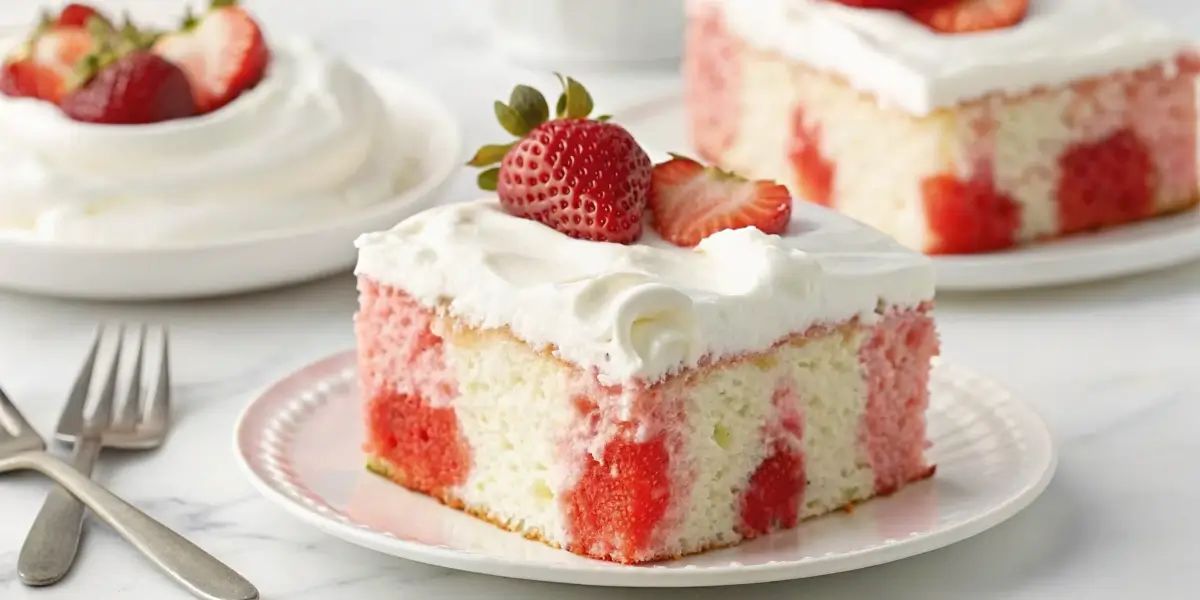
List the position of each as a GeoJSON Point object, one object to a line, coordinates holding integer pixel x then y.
{"type": "Point", "coordinates": [53, 541]}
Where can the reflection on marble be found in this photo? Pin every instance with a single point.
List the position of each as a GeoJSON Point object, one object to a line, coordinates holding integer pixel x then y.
{"type": "Point", "coordinates": [1111, 366]}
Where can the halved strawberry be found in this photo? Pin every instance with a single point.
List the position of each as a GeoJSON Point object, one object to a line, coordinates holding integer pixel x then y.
{"type": "Point", "coordinates": [43, 66]}
{"type": "Point", "coordinates": [62, 49]}
{"type": "Point", "coordinates": [689, 202]}
{"type": "Point", "coordinates": [224, 53]}
{"type": "Point", "coordinates": [25, 78]}
{"type": "Point", "coordinates": [963, 16]}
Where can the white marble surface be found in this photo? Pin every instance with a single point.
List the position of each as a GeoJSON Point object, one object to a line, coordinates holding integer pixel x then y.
{"type": "Point", "coordinates": [1112, 367]}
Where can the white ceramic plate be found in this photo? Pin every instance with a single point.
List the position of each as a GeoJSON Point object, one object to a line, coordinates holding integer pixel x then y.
{"type": "Point", "coordinates": [256, 262]}
{"type": "Point", "coordinates": [300, 444]}
{"type": "Point", "coordinates": [1127, 250]}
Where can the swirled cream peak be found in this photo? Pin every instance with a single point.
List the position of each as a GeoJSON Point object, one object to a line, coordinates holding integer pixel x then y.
{"type": "Point", "coordinates": [643, 311]}
{"type": "Point", "coordinates": [905, 64]}
{"type": "Point", "coordinates": [312, 141]}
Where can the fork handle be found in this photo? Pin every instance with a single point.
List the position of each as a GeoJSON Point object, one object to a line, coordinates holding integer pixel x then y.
{"type": "Point", "coordinates": [201, 573]}
{"type": "Point", "coordinates": [53, 540]}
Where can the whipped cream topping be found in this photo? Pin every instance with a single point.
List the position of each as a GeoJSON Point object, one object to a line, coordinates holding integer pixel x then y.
{"type": "Point", "coordinates": [643, 311]}
{"type": "Point", "coordinates": [907, 65]}
{"type": "Point", "coordinates": [308, 143]}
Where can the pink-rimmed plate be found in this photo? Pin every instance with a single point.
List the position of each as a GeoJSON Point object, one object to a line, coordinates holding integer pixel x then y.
{"type": "Point", "coordinates": [300, 445]}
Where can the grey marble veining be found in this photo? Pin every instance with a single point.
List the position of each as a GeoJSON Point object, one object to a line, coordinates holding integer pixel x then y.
{"type": "Point", "coordinates": [1111, 366]}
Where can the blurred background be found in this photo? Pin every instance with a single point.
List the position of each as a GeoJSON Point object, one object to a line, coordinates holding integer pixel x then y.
{"type": "Point", "coordinates": [471, 52]}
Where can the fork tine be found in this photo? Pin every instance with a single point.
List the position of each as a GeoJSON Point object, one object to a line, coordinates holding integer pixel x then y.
{"type": "Point", "coordinates": [131, 408]}
{"type": "Point", "coordinates": [158, 414]}
{"type": "Point", "coordinates": [70, 422]}
{"type": "Point", "coordinates": [12, 424]}
{"type": "Point", "coordinates": [102, 414]}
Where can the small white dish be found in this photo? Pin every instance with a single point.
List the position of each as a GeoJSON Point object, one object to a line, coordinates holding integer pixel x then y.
{"type": "Point", "coordinates": [271, 259]}
{"type": "Point", "coordinates": [300, 445]}
{"type": "Point", "coordinates": [1127, 250]}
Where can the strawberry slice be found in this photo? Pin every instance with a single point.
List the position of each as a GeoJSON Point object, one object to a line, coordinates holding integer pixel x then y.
{"type": "Point", "coordinates": [690, 202]}
{"type": "Point", "coordinates": [963, 16]}
{"type": "Point", "coordinates": [224, 53]}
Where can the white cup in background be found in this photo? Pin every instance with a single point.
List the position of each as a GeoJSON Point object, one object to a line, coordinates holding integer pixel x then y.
{"type": "Point", "coordinates": [589, 33]}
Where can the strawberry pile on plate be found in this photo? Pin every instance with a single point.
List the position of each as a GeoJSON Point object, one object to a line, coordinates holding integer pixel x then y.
{"type": "Point", "coordinates": [589, 179]}
{"type": "Point", "coordinates": [97, 71]}
{"type": "Point", "coordinates": [954, 16]}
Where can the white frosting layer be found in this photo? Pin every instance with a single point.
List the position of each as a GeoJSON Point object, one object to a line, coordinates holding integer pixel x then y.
{"type": "Point", "coordinates": [649, 309]}
{"type": "Point", "coordinates": [312, 141]}
{"type": "Point", "coordinates": [907, 65]}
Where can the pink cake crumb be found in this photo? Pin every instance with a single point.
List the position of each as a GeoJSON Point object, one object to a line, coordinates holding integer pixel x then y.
{"type": "Point", "coordinates": [893, 429]}
{"type": "Point", "coordinates": [404, 378]}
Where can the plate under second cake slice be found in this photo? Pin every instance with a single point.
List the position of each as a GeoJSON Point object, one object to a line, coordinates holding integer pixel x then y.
{"type": "Point", "coordinates": [956, 126]}
{"type": "Point", "coordinates": [640, 402]}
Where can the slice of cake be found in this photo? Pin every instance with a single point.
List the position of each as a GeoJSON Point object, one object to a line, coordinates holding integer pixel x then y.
{"type": "Point", "coordinates": [956, 126]}
{"type": "Point", "coordinates": [646, 364]}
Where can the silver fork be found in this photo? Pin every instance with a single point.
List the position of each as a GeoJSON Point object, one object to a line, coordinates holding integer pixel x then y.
{"type": "Point", "coordinates": [53, 541]}
{"type": "Point", "coordinates": [21, 448]}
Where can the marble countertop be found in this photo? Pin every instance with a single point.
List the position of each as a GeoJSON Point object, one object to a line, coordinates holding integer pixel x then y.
{"type": "Point", "coordinates": [1111, 366]}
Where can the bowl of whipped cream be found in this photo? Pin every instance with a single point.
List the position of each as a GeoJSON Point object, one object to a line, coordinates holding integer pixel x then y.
{"type": "Point", "coordinates": [267, 191]}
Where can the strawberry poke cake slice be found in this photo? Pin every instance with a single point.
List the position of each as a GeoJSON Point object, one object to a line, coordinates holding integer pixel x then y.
{"type": "Point", "coordinates": [956, 126]}
{"type": "Point", "coordinates": [634, 362]}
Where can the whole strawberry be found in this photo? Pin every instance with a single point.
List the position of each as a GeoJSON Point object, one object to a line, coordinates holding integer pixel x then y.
{"type": "Point", "coordinates": [134, 89]}
{"type": "Point", "coordinates": [586, 178]}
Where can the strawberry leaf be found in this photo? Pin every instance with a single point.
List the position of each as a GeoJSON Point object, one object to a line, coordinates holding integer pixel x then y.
{"type": "Point", "coordinates": [560, 109]}
{"type": "Point", "coordinates": [511, 120]}
{"type": "Point", "coordinates": [488, 179]}
{"type": "Point", "coordinates": [579, 101]}
{"type": "Point", "coordinates": [604, 118]}
{"type": "Point", "coordinates": [45, 22]}
{"type": "Point", "coordinates": [530, 104]}
{"type": "Point", "coordinates": [490, 155]}
{"type": "Point", "coordinates": [189, 20]}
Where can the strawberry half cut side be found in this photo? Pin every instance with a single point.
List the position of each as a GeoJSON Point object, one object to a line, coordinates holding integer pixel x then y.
{"type": "Point", "coordinates": [224, 53]}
